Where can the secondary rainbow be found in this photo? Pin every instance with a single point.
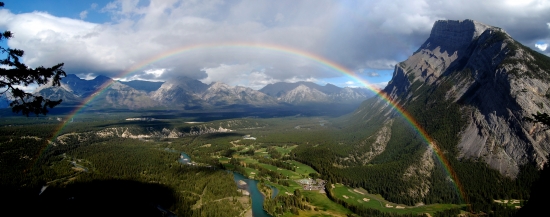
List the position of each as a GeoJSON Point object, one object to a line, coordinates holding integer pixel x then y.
{"type": "Point", "coordinates": [287, 51]}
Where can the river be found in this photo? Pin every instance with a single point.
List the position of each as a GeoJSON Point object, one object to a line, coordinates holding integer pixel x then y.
{"type": "Point", "coordinates": [256, 196]}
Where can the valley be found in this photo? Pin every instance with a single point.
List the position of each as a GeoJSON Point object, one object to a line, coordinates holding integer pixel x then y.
{"type": "Point", "coordinates": [145, 150]}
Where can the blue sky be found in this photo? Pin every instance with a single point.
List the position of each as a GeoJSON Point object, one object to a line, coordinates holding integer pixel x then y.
{"type": "Point", "coordinates": [59, 8]}
{"type": "Point", "coordinates": [367, 37]}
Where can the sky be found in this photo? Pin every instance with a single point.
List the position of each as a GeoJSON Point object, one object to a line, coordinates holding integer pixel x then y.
{"type": "Point", "coordinates": [233, 41]}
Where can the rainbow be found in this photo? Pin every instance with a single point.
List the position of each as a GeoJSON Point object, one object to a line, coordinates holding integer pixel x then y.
{"type": "Point", "coordinates": [292, 52]}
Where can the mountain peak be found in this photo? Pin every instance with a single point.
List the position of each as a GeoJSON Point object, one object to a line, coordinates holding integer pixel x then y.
{"type": "Point", "coordinates": [102, 78]}
{"type": "Point", "coordinates": [218, 84]}
{"type": "Point", "coordinates": [451, 35]}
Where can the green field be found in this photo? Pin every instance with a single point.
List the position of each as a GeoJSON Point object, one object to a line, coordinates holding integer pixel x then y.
{"type": "Point", "coordinates": [302, 168]}
{"type": "Point", "coordinates": [282, 189]}
{"type": "Point", "coordinates": [324, 203]}
{"type": "Point", "coordinates": [352, 196]}
{"type": "Point", "coordinates": [284, 172]}
{"type": "Point", "coordinates": [285, 150]}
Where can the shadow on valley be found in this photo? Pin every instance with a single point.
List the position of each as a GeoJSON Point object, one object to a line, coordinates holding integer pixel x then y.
{"type": "Point", "coordinates": [221, 135]}
{"type": "Point", "coordinates": [211, 114]}
{"type": "Point", "coordinates": [95, 198]}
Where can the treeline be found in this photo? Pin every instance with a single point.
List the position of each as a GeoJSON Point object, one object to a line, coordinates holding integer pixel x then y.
{"type": "Point", "coordinates": [286, 203]}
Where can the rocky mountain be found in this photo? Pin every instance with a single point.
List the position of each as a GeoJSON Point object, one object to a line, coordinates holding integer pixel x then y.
{"type": "Point", "coordinates": [179, 91]}
{"type": "Point", "coordinates": [303, 94]}
{"type": "Point", "coordinates": [470, 86]}
{"type": "Point", "coordinates": [308, 92]}
{"type": "Point", "coordinates": [83, 88]}
{"type": "Point", "coordinates": [122, 96]}
{"type": "Point", "coordinates": [74, 91]}
{"type": "Point", "coordinates": [222, 94]}
{"type": "Point", "coordinates": [147, 86]}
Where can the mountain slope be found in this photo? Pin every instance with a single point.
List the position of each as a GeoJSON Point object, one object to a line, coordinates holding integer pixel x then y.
{"type": "Point", "coordinates": [179, 91]}
{"type": "Point", "coordinates": [484, 81]}
{"type": "Point", "coordinates": [122, 96]}
{"type": "Point", "coordinates": [147, 86]}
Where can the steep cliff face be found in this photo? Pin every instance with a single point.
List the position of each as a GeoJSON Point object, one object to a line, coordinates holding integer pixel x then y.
{"type": "Point", "coordinates": [495, 81]}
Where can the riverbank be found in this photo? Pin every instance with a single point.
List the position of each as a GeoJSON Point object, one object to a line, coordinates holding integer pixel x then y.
{"type": "Point", "coordinates": [264, 189]}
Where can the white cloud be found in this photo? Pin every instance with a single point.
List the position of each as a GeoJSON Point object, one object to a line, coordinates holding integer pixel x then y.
{"type": "Point", "coordinates": [238, 75]}
{"type": "Point", "coordinates": [87, 76]}
{"type": "Point", "coordinates": [298, 79]}
{"type": "Point", "coordinates": [380, 64]}
{"type": "Point", "coordinates": [350, 83]}
{"type": "Point", "coordinates": [380, 85]}
{"type": "Point", "coordinates": [279, 17]}
{"type": "Point", "coordinates": [541, 47]}
{"type": "Point", "coordinates": [359, 35]}
{"type": "Point", "coordinates": [83, 14]}
{"type": "Point", "coordinates": [155, 72]}
{"type": "Point", "coordinates": [372, 74]}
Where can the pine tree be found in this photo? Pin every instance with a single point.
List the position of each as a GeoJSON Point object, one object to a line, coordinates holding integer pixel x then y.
{"type": "Point", "coordinates": [14, 74]}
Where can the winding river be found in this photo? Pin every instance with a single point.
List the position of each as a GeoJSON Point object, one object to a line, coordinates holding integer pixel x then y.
{"type": "Point", "coordinates": [256, 196]}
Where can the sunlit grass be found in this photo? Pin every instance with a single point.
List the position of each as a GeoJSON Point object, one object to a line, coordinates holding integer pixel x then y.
{"type": "Point", "coordinates": [348, 194]}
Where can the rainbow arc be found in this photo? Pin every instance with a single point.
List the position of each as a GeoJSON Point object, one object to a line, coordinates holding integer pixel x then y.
{"type": "Point", "coordinates": [286, 51]}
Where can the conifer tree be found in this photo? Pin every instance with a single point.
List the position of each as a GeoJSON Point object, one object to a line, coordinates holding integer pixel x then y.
{"type": "Point", "coordinates": [14, 75]}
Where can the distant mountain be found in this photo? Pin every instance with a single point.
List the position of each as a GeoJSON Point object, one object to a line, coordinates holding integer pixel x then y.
{"type": "Point", "coordinates": [83, 88]}
{"type": "Point", "coordinates": [303, 94]}
{"type": "Point", "coordinates": [187, 93]}
{"type": "Point", "coordinates": [147, 86]}
{"type": "Point", "coordinates": [122, 96]}
{"type": "Point", "coordinates": [74, 91]}
{"type": "Point", "coordinates": [309, 92]}
{"type": "Point", "coordinates": [222, 94]}
{"type": "Point", "coordinates": [180, 91]}
{"type": "Point", "coordinates": [61, 92]}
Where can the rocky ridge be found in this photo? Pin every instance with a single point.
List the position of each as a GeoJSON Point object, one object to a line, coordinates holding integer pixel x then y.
{"type": "Point", "coordinates": [187, 93]}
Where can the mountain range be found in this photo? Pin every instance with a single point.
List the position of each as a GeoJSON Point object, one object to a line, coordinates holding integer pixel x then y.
{"type": "Point", "coordinates": [188, 93]}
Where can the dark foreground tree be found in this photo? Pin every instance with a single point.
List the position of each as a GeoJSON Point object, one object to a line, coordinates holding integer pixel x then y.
{"type": "Point", "coordinates": [538, 198]}
{"type": "Point", "coordinates": [537, 204]}
{"type": "Point", "coordinates": [14, 75]}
